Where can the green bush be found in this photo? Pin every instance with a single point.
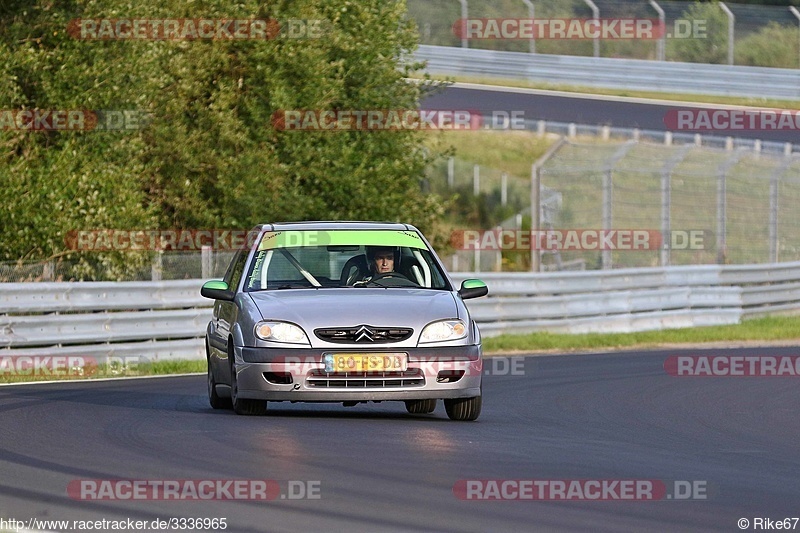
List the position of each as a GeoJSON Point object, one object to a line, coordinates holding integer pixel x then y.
{"type": "Point", "coordinates": [210, 157]}
{"type": "Point", "coordinates": [711, 49]}
{"type": "Point", "coordinates": [772, 46]}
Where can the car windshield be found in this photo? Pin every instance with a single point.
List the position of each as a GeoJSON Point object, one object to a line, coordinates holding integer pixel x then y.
{"type": "Point", "coordinates": [322, 259]}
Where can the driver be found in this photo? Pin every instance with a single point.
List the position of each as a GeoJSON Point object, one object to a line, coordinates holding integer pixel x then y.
{"type": "Point", "coordinates": [381, 260]}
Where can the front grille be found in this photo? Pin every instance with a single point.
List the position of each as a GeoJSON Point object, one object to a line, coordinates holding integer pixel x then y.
{"type": "Point", "coordinates": [363, 335]}
{"type": "Point", "coordinates": [366, 380]}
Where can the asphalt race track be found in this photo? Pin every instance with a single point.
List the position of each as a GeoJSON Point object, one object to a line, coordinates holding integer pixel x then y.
{"type": "Point", "coordinates": [577, 417]}
{"type": "Point", "coordinates": [580, 109]}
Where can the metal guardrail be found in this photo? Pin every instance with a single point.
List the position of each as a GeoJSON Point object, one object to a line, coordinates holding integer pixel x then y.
{"type": "Point", "coordinates": [166, 320]}
{"type": "Point", "coordinates": [614, 73]}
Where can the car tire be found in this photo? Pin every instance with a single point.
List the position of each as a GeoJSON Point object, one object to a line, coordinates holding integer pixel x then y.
{"type": "Point", "coordinates": [464, 409]}
{"type": "Point", "coordinates": [243, 406]}
{"type": "Point", "coordinates": [216, 401]}
{"type": "Point", "coordinates": [420, 407]}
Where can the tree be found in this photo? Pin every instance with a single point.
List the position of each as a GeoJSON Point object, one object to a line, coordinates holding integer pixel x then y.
{"type": "Point", "coordinates": [210, 156]}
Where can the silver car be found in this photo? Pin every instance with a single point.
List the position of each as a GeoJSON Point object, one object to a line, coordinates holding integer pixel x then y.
{"type": "Point", "coordinates": [344, 312]}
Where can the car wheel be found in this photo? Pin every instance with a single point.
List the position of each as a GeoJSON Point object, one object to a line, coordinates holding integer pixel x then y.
{"type": "Point", "coordinates": [420, 407]}
{"type": "Point", "coordinates": [216, 401]}
{"type": "Point", "coordinates": [463, 408]}
{"type": "Point", "coordinates": [243, 406]}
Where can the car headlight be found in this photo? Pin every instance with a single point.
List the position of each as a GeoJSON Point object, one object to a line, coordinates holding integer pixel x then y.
{"type": "Point", "coordinates": [443, 330]}
{"type": "Point", "coordinates": [281, 332]}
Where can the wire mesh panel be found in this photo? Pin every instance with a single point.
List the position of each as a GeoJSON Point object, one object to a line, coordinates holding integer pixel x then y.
{"type": "Point", "coordinates": [697, 204]}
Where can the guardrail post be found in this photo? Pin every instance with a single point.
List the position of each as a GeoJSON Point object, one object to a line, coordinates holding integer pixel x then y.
{"type": "Point", "coordinates": [731, 30]}
{"type": "Point", "coordinates": [503, 189]}
{"type": "Point", "coordinates": [476, 180]}
{"type": "Point", "coordinates": [541, 128]}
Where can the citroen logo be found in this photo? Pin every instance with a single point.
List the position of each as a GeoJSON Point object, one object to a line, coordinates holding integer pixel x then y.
{"type": "Point", "coordinates": [364, 333]}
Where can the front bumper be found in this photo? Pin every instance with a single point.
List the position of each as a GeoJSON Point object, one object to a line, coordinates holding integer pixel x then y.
{"type": "Point", "coordinates": [278, 374]}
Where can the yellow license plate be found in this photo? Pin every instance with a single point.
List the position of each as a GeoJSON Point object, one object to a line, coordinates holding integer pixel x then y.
{"type": "Point", "coordinates": [365, 362]}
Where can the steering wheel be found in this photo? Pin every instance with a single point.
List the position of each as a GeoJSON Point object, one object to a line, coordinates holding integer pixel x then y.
{"type": "Point", "coordinates": [395, 279]}
{"type": "Point", "coordinates": [392, 274]}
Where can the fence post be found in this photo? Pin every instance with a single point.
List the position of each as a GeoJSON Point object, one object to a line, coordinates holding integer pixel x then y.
{"type": "Point", "coordinates": [503, 189]}
{"type": "Point", "coordinates": [476, 180]}
{"type": "Point", "coordinates": [464, 17]}
{"type": "Point", "coordinates": [531, 15]}
{"type": "Point", "coordinates": [721, 218]}
{"type": "Point", "coordinates": [774, 184]}
{"type": "Point", "coordinates": [48, 271]}
{"type": "Point", "coordinates": [206, 262]}
{"type": "Point", "coordinates": [608, 196]}
{"type": "Point", "coordinates": [666, 203]}
{"type": "Point", "coordinates": [796, 13]}
{"type": "Point", "coordinates": [451, 171]}
{"type": "Point", "coordinates": [662, 40]}
{"type": "Point", "coordinates": [157, 266]}
{"type": "Point", "coordinates": [722, 206]}
{"type": "Point", "coordinates": [498, 258]}
{"type": "Point", "coordinates": [536, 201]}
{"type": "Point", "coordinates": [607, 207]}
{"type": "Point", "coordinates": [666, 199]}
{"type": "Point", "coordinates": [595, 16]}
{"type": "Point", "coordinates": [731, 30]}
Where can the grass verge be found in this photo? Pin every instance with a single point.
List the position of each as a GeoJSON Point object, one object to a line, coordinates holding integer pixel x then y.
{"type": "Point", "coordinates": [768, 329]}
{"type": "Point", "coordinates": [157, 368]}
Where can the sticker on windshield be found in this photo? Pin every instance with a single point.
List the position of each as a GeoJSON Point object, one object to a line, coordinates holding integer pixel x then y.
{"type": "Point", "coordinates": [290, 239]}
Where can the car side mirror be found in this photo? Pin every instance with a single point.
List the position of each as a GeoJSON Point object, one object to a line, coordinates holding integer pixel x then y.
{"type": "Point", "coordinates": [472, 288]}
{"type": "Point", "coordinates": [216, 289]}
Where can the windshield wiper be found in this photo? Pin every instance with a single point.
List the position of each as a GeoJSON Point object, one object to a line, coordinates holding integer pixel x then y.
{"type": "Point", "coordinates": [294, 286]}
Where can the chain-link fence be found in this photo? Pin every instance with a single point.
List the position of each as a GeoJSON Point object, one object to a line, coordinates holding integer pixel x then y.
{"type": "Point", "coordinates": [707, 205]}
{"type": "Point", "coordinates": [687, 204]}
{"type": "Point", "coordinates": [692, 31]}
